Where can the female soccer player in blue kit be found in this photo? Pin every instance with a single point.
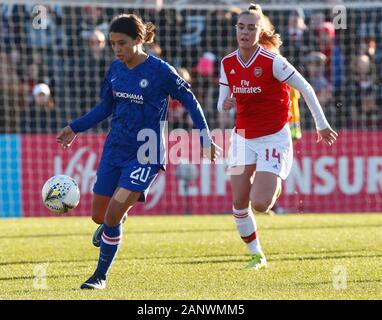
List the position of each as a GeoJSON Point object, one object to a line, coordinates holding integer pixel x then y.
{"type": "Point", "coordinates": [135, 92]}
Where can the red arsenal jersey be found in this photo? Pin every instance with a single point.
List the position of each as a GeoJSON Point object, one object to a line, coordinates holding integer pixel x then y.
{"type": "Point", "coordinates": [262, 96]}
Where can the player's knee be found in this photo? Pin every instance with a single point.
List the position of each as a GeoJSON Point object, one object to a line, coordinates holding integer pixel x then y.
{"type": "Point", "coordinates": [98, 218]}
{"type": "Point", "coordinates": [262, 205]}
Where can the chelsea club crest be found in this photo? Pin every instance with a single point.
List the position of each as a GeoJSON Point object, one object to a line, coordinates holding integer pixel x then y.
{"type": "Point", "coordinates": [143, 83]}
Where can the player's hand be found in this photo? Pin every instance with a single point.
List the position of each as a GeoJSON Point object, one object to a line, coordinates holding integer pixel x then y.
{"type": "Point", "coordinates": [212, 152]}
{"type": "Point", "coordinates": [328, 135]}
{"type": "Point", "coordinates": [66, 137]}
{"type": "Point", "coordinates": [229, 103]}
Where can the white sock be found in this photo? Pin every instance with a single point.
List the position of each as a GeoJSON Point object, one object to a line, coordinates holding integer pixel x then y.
{"type": "Point", "coordinates": [246, 225]}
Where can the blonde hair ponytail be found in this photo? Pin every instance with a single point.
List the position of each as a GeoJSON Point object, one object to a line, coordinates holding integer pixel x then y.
{"type": "Point", "coordinates": [270, 39]}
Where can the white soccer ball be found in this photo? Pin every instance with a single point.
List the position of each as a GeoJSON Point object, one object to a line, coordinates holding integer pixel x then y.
{"type": "Point", "coordinates": [60, 194]}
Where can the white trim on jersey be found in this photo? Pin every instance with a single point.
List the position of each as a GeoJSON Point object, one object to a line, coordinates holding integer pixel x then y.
{"type": "Point", "coordinates": [285, 80]}
{"type": "Point", "coordinates": [223, 77]}
{"type": "Point", "coordinates": [267, 54]}
{"type": "Point", "coordinates": [253, 57]}
{"type": "Point", "coordinates": [282, 69]}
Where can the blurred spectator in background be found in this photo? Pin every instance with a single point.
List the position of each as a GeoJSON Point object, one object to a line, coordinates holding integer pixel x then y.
{"type": "Point", "coordinates": [6, 31]}
{"type": "Point", "coordinates": [17, 19]}
{"type": "Point", "coordinates": [93, 18]}
{"type": "Point", "coordinates": [96, 46]}
{"type": "Point", "coordinates": [206, 65]}
{"type": "Point", "coordinates": [315, 20]}
{"type": "Point", "coordinates": [42, 96]}
{"type": "Point", "coordinates": [293, 39]}
{"type": "Point", "coordinates": [13, 94]}
{"type": "Point", "coordinates": [365, 114]}
{"type": "Point", "coordinates": [325, 39]}
{"type": "Point", "coordinates": [80, 24]}
{"type": "Point", "coordinates": [40, 115]}
{"type": "Point", "coordinates": [220, 23]}
{"type": "Point", "coordinates": [367, 45]}
{"type": "Point", "coordinates": [87, 71]}
{"type": "Point", "coordinates": [37, 71]}
{"type": "Point", "coordinates": [206, 31]}
{"type": "Point", "coordinates": [315, 63]}
{"type": "Point", "coordinates": [206, 84]}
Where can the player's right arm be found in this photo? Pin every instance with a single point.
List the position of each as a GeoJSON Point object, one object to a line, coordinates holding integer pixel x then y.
{"type": "Point", "coordinates": [179, 89]}
{"type": "Point", "coordinates": [226, 100]}
{"type": "Point", "coordinates": [100, 112]}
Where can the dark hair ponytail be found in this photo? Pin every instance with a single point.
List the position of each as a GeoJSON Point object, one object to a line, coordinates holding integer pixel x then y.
{"type": "Point", "coordinates": [150, 32]}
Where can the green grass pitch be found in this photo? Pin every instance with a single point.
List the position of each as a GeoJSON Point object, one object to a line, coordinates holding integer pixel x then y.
{"type": "Point", "coordinates": [196, 257]}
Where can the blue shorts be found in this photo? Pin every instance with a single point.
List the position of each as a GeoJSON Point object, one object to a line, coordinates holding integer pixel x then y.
{"type": "Point", "coordinates": [134, 177]}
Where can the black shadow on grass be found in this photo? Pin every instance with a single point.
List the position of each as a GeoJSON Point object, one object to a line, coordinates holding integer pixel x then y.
{"type": "Point", "coordinates": [127, 232]}
{"type": "Point", "coordinates": [45, 236]}
{"type": "Point", "coordinates": [331, 282]}
{"type": "Point", "coordinates": [118, 259]}
{"type": "Point", "coordinates": [46, 261]}
{"type": "Point", "coordinates": [326, 257]}
{"type": "Point", "coordinates": [195, 231]}
{"type": "Point", "coordinates": [301, 258]}
{"type": "Point", "coordinates": [320, 255]}
{"type": "Point", "coordinates": [322, 227]}
{"type": "Point", "coordinates": [34, 277]}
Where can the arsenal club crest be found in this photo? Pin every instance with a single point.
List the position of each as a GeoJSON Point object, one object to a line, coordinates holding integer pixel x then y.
{"type": "Point", "coordinates": [258, 72]}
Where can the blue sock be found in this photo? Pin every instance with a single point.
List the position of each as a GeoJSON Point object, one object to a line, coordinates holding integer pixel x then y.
{"type": "Point", "coordinates": [110, 242]}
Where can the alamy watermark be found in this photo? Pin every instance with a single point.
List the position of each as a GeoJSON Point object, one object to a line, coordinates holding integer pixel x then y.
{"type": "Point", "coordinates": [339, 17]}
{"type": "Point", "coordinates": [339, 277]}
{"type": "Point", "coordinates": [40, 17]}
{"type": "Point", "coordinates": [40, 277]}
{"type": "Point", "coordinates": [178, 145]}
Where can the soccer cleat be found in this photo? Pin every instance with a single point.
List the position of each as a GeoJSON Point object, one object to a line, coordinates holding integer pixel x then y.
{"type": "Point", "coordinates": [98, 233]}
{"type": "Point", "coordinates": [96, 281]}
{"type": "Point", "coordinates": [257, 262]}
{"type": "Point", "coordinates": [97, 236]}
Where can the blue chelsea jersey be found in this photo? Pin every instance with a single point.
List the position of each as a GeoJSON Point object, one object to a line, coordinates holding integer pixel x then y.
{"type": "Point", "coordinates": [137, 99]}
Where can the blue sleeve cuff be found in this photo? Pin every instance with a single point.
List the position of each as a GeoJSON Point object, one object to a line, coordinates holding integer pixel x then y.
{"type": "Point", "coordinates": [74, 127]}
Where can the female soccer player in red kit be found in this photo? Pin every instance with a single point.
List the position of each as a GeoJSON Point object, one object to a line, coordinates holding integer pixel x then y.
{"type": "Point", "coordinates": [257, 83]}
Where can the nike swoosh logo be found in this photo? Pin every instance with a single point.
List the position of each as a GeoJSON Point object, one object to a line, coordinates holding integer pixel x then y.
{"type": "Point", "coordinates": [133, 182]}
{"type": "Point", "coordinates": [112, 80]}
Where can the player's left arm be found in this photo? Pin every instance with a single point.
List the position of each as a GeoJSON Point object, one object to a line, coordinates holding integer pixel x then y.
{"type": "Point", "coordinates": [285, 72]}
{"type": "Point", "coordinates": [179, 89]}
